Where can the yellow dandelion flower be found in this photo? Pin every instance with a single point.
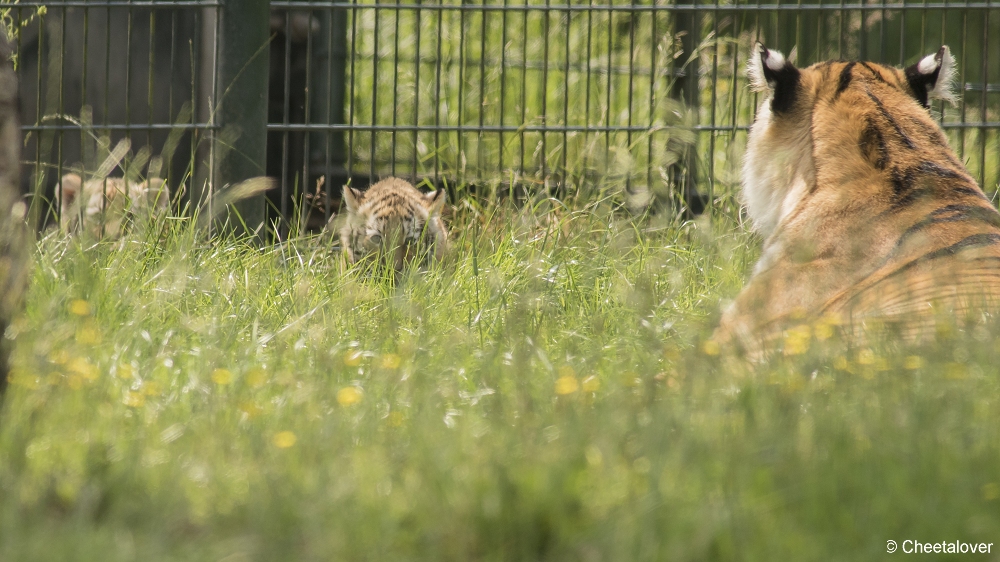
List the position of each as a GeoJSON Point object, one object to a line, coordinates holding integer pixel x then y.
{"type": "Point", "coordinates": [711, 347]}
{"type": "Point", "coordinates": [591, 384]}
{"type": "Point", "coordinates": [79, 307]}
{"type": "Point", "coordinates": [59, 357]}
{"type": "Point", "coordinates": [88, 335]}
{"type": "Point", "coordinates": [991, 491]}
{"type": "Point", "coordinates": [566, 384]}
{"type": "Point", "coordinates": [125, 371]}
{"type": "Point", "coordinates": [75, 382]}
{"type": "Point", "coordinates": [84, 368]}
{"type": "Point", "coordinates": [251, 410]}
{"type": "Point", "coordinates": [955, 371]}
{"type": "Point", "coordinates": [352, 358]}
{"type": "Point", "coordinates": [913, 362]}
{"type": "Point", "coordinates": [396, 419]}
{"type": "Point", "coordinates": [18, 377]}
{"type": "Point", "coordinates": [284, 439]}
{"type": "Point", "coordinates": [866, 357]}
{"type": "Point", "coordinates": [797, 340]}
{"type": "Point", "coordinates": [256, 377]}
{"type": "Point", "coordinates": [566, 371]}
{"type": "Point", "coordinates": [671, 353]}
{"type": "Point", "coordinates": [391, 361]}
{"type": "Point", "coordinates": [823, 331]}
{"type": "Point", "coordinates": [151, 388]}
{"type": "Point", "coordinates": [348, 396]}
{"type": "Point", "coordinates": [222, 377]}
{"type": "Point", "coordinates": [134, 399]}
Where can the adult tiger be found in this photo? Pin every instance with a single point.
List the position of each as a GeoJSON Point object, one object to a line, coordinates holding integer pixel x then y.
{"type": "Point", "coordinates": [865, 210]}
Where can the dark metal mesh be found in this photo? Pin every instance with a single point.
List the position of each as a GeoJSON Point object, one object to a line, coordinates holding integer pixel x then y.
{"type": "Point", "coordinates": [95, 73]}
{"type": "Point", "coordinates": [648, 98]}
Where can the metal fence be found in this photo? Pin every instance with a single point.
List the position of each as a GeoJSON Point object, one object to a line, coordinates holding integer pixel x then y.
{"type": "Point", "coordinates": [646, 97]}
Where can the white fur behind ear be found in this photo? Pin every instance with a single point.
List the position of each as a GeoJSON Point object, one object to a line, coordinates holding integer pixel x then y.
{"type": "Point", "coordinates": [944, 87]}
{"type": "Point", "coordinates": [778, 171]}
{"type": "Point", "coordinates": [435, 201]}
{"type": "Point", "coordinates": [755, 67]}
{"type": "Point", "coordinates": [352, 199]}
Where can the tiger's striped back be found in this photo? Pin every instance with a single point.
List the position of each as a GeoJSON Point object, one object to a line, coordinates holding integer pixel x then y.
{"type": "Point", "coordinates": [866, 211]}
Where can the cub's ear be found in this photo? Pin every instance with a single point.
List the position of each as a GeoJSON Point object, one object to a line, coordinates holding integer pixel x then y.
{"type": "Point", "coordinates": [352, 199]}
{"type": "Point", "coordinates": [157, 192]}
{"type": "Point", "coordinates": [68, 189]}
{"type": "Point", "coordinates": [769, 71]}
{"type": "Point", "coordinates": [435, 201]}
{"type": "Point", "coordinates": [933, 77]}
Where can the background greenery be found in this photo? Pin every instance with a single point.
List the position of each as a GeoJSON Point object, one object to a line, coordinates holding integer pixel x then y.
{"type": "Point", "coordinates": [614, 67]}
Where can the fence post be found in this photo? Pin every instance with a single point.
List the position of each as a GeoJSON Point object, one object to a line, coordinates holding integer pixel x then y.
{"type": "Point", "coordinates": [241, 96]}
{"type": "Point", "coordinates": [686, 89]}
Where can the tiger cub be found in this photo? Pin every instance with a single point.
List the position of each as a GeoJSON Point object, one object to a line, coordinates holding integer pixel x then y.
{"type": "Point", "coordinates": [100, 206]}
{"type": "Point", "coordinates": [865, 211]}
{"type": "Point", "coordinates": [394, 218]}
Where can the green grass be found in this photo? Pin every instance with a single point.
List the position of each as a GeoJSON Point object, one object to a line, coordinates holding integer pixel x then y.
{"type": "Point", "coordinates": [539, 396]}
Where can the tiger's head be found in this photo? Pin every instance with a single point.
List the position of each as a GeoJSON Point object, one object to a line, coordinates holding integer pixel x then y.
{"type": "Point", "coordinates": [394, 219]}
{"type": "Point", "coordinates": [839, 126]}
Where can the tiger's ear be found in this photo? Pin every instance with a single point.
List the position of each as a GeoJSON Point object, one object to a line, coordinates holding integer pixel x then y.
{"type": "Point", "coordinates": [157, 192]}
{"type": "Point", "coordinates": [352, 199]}
{"type": "Point", "coordinates": [933, 77]}
{"type": "Point", "coordinates": [769, 71]}
{"type": "Point", "coordinates": [435, 201]}
{"type": "Point", "coordinates": [68, 189]}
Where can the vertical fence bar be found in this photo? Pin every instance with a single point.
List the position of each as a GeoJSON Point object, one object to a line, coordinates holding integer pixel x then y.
{"type": "Point", "coordinates": [524, 82]}
{"type": "Point", "coordinates": [983, 115]}
{"type": "Point", "coordinates": [286, 178]}
{"type": "Point", "coordinates": [503, 87]}
{"type": "Point", "coordinates": [480, 162]}
{"type": "Point", "coordinates": [544, 94]}
{"type": "Point", "coordinates": [416, 92]}
{"type": "Point", "coordinates": [241, 98]}
{"type": "Point", "coordinates": [395, 86]}
{"type": "Point", "coordinates": [686, 89]}
{"type": "Point", "coordinates": [564, 173]}
{"type": "Point", "coordinates": [372, 175]}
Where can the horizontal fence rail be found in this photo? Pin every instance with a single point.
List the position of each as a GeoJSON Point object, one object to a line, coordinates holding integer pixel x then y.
{"type": "Point", "coordinates": [643, 98]}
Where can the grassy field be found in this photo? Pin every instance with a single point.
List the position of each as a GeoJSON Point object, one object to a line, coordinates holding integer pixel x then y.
{"type": "Point", "coordinates": [542, 395]}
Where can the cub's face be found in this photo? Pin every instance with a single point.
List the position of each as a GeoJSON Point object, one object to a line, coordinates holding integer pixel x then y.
{"type": "Point", "coordinates": [837, 111]}
{"type": "Point", "coordinates": [399, 223]}
{"type": "Point", "coordinates": [101, 206]}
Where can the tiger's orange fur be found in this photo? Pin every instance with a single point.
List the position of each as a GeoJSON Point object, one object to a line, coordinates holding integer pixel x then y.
{"type": "Point", "coordinates": [866, 212]}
